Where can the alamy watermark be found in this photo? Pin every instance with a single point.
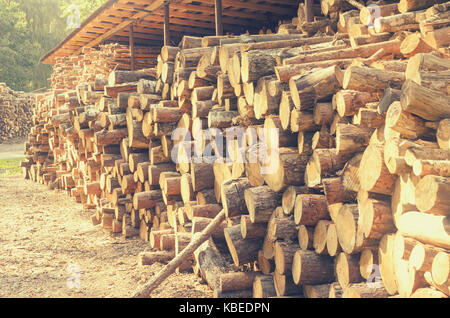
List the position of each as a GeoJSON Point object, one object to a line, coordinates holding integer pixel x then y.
{"type": "Point", "coordinates": [374, 280]}
{"type": "Point", "coordinates": [74, 16]}
{"type": "Point", "coordinates": [213, 145]}
{"type": "Point", "coordinates": [375, 13]}
{"type": "Point", "coordinates": [74, 279]}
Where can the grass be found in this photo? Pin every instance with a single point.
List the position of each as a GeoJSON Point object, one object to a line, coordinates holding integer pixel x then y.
{"type": "Point", "coordinates": [10, 167]}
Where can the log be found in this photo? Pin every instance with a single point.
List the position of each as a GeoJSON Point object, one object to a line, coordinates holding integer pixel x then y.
{"type": "Point", "coordinates": [399, 22]}
{"type": "Point", "coordinates": [434, 80]}
{"type": "Point", "coordinates": [302, 121]}
{"type": "Point", "coordinates": [350, 101]}
{"type": "Point", "coordinates": [316, 291]}
{"type": "Point", "coordinates": [237, 281]}
{"type": "Point", "coordinates": [320, 237]}
{"type": "Point", "coordinates": [336, 192]}
{"type": "Point", "coordinates": [365, 290]}
{"type": "Point", "coordinates": [110, 137]}
{"type": "Point", "coordinates": [367, 79]}
{"type": "Point", "coordinates": [374, 176]}
{"type": "Point", "coordinates": [389, 96]}
{"type": "Point", "coordinates": [423, 102]}
{"type": "Point", "coordinates": [424, 167]}
{"type": "Point", "coordinates": [260, 202]}
{"type": "Point", "coordinates": [233, 294]}
{"type": "Point", "coordinates": [312, 269]}
{"type": "Point", "coordinates": [367, 15]}
{"type": "Point", "coordinates": [386, 263]}
{"type": "Point", "coordinates": [414, 44]}
{"type": "Point", "coordinates": [155, 238]}
{"type": "Point", "coordinates": [285, 286]}
{"type": "Point", "coordinates": [148, 86]}
{"type": "Point", "coordinates": [281, 228]}
{"type": "Point", "coordinates": [409, 126]}
{"type": "Point", "coordinates": [440, 269]}
{"type": "Point", "coordinates": [347, 269]}
{"type": "Point", "coordinates": [149, 258]}
{"type": "Point", "coordinates": [305, 237]}
{"type": "Point", "coordinates": [375, 218]}
{"type": "Point", "coordinates": [285, 72]}
{"type": "Point", "coordinates": [310, 208]}
{"type": "Point", "coordinates": [408, 279]}
{"type": "Point", "coordinates": [232, 194]}
{"type": "Point", "coordinates": [413, 5]}
{"type": "Point", "coordinates": [284, 254]}
{"type": "Point", "coordinates": [146, 200]}
{"type": "Point", "coordinates": [252, 230]}
{"type": "Point", "coordinates": [346, 226]}
{"type": "Point", "coordinates": [422, 256]}
{"type": "Point", "coordinates": [220, 118]}
{"type": "Point", "coordinates": [432, 195]}
{"type": "Point", "coordinates": [120, 77]}
{"type": "Point", "coordinates": [243, 251]}
{"type": "Point", "coordinates": [263, 286]}
{"type": "Point", "coordinates": [289, 197]}
{"type": "Point", "coordinates": [425, 62]}
{"type": "Point", "coordinates": [200, 223]}
{"type": "Point", "coordinates": [256, 64]}
{"type": "Point", "coordinates": [323, 81]}
{"type": "Point", "coordinates": [207, 210]}
{"type": "Point", "coordinates": [363, 51]}
{"type": "Point", "coordinates": [332, 241]}
{"type": "Point", "coordinates": [212, 265]}
{"type": "Point", "coordinates": [428, 293]}
{"type": "Point", "coordinates": [368, 264]}
{"type": "Point", "coordinates": [324, 162]}
{"type": "Point", "coordinates": [417, 153]}
{"type": "Point", "coordinates": [286, 167]}
{"type": "Point", "coordinates": [426, 228]}
{"type": "Point", "coordinates": [351, 138]}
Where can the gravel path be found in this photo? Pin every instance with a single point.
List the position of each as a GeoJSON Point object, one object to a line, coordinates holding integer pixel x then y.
{"type": "Point", "coordinates": [49, 248]}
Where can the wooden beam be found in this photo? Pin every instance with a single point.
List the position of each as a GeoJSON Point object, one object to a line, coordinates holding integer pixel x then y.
{"type": "Point", "coordinates": [152, 23]}
{"type": "Point", "coordinates": [227, 12]}
{"type": "Point", "coordinates": [166, 23]}
{"type": "Point", "coordinates": [218, 17]}
{"type": "Point", "coordinates": [273, 9]}
{"type": "Point", "coordinates": [309, 12]}
{"type": "Point", "coordinates": [155, 5]}
{"type": "Point", "coordinates": [132, 48]}
{"type": "Point", "coordinates": [137, 41]}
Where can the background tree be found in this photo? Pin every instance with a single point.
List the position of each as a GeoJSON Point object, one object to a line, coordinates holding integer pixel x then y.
{"type": "Point", "coordinates": [29, 29]}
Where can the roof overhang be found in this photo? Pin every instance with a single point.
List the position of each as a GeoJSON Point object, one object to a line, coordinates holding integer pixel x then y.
{"type": "Point", "coordinates": [112, 22]}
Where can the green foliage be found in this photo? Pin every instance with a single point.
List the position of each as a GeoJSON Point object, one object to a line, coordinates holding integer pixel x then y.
{"type": "Point", "coordinates": [10, 167]}
{"type": "Point", "coordinates": [29, 29]}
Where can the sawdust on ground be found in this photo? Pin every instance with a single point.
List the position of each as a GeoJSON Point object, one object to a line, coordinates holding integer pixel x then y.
{"type": "Point", "coordinates": [49, 248]}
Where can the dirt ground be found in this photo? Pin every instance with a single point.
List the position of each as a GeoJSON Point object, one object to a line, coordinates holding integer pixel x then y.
{"type": "Point", "coordinates": [49, 248]}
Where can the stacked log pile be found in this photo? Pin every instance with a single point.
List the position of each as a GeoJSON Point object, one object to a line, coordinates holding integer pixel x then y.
{"type": "Point", "coordinates": [325, 144]}
{"type": "Point", "coordinates": [16, 109]}
{"type": "Point", "coordinates": [94, 64]}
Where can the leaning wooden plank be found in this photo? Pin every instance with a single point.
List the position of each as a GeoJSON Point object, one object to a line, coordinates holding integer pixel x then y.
{"type": "Point", "coordinates": [146, 290]}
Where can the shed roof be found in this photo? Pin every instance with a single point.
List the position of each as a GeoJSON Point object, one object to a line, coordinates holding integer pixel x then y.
{"type": "Point", "coordinates": [112, 21]}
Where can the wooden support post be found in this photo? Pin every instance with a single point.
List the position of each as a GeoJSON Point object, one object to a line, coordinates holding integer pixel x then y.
{"type": "Point", "coordinates": [218, 17]}
{"type": "Point", "coordinates": [166, 23]}
{"type": "Point", "coordinates": [309, 13]}
{"type": "Point", "coordinates": [132, 51]}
